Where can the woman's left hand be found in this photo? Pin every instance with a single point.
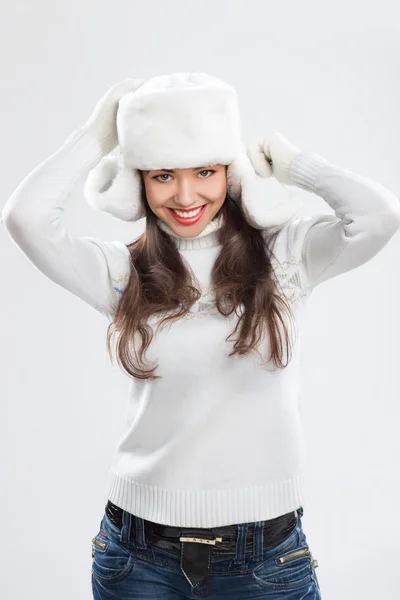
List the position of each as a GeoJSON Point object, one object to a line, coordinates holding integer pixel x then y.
{"type": "Point", "coordinates": [273, 156]}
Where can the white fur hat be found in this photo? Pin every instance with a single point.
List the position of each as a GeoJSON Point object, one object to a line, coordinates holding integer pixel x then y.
{"type": "Point", "coordinates": [185, 120]}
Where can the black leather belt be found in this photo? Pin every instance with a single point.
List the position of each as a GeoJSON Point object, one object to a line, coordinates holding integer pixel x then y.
{"type": "Point", "coordinates": [196, 544]}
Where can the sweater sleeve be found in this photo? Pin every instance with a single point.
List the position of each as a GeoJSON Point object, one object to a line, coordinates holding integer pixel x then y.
{"type": "Point", "coordinates": [93, 270]}
{"type": "Point", "coordinates": [367, 215]}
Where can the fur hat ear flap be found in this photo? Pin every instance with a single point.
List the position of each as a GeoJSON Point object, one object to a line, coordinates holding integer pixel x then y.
{"type": "Point", "coordinates": [113, 188]}
{"type": "Point", "coordinates": [265, 202]}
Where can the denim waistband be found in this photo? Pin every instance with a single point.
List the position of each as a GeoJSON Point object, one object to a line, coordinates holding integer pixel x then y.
{"type": "Point", "coordinates": [255, 536]}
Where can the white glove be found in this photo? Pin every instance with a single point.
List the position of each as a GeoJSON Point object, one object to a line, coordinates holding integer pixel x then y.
{"type": "Point", "coordinates": [103, 121]}
{"type": "Point", "coordinates": [273, 156]}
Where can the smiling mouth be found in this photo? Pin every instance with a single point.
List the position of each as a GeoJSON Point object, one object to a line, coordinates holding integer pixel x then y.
{"type": "Point", "coordinates": [185, 211]}
{"type": "Point", "coordinates": [187, 217]}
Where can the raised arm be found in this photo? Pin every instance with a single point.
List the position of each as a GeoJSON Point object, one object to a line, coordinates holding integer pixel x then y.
{"type": "Point", "coordinates": [367, 214]}
{"type": "Point", "coordinates": [92, 269]}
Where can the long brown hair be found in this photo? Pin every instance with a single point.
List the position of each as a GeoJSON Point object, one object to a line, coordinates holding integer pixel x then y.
{"type": "Point", "coordinates": [162, 283]}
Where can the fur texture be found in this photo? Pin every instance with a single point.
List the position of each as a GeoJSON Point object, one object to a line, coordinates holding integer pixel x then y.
{"type": "Point", "coordinates": [179, 121]}
{"type": "Point", "coordinates": [265, 201]}
{"type": "Point", "coordinates": [115, 190]}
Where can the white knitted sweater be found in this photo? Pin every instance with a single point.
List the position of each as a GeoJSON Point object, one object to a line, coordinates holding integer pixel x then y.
{"type": "Point", "coordinates": [216, 440]}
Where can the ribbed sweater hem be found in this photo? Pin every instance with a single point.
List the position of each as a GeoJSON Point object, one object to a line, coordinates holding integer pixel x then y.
{"type": "Point", "coordinates": [206, 508]}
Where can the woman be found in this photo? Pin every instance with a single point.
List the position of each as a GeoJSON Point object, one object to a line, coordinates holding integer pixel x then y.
{"type": "Point", "coordinates": [206, 485]}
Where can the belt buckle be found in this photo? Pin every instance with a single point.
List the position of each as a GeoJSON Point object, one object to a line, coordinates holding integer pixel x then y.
{"type": "Point", "coordinates": [197, 540]}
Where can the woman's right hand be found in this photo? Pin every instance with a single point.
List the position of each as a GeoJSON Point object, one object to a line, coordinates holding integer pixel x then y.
{"type": "Point", "coordinates": [103, 121]}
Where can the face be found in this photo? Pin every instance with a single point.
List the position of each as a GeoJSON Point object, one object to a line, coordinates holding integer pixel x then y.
{"type": "Point", "coordinates": [186, 199]}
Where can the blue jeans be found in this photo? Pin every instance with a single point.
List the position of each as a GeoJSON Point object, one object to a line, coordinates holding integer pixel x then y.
{"type": "Point", "coordinates": [127, 569]}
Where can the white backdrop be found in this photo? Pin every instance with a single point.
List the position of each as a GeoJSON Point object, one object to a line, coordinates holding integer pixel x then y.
{"type": "Point", "coordinates": [327, 77]}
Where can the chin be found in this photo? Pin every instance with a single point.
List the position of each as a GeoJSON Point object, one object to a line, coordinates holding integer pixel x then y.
{"type": "Point", "coordinates": [186, 231]}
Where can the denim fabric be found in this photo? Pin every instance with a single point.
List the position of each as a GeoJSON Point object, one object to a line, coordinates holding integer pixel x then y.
{"type": "Point", "coordinates": [127, 569]}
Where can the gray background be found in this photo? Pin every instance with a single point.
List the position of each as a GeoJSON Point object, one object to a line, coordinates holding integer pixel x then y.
{"type": "Point", "coordinates": [326, 77]}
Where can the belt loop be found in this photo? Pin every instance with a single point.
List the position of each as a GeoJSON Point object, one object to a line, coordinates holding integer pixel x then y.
{"type": "Point", "coordinates": [126, 526]}
{"type": "Point", "coordinates": [140, 538]}
{"type": "Point", "coordinates": [241, 543]}
{"type": "Point", "coordinates": [300, 511]}
{"type": "Point", "coordinates": [258, 540]}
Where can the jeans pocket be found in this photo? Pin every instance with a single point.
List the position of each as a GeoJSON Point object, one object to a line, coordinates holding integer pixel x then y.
{"type": "Point", "coordinates": [286, 570]}
{"type": "Point", "coordinates": [111, 561]}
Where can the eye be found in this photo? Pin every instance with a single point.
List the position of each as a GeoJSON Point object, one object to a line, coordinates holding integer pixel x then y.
{"type": "Point", "coordinates": [159, 177]}
{"type": "Point", "coordinates": [209, 171]}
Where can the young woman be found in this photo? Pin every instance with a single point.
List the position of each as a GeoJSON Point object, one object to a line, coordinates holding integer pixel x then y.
{"type": "Point", "coordinates": [205, 491]}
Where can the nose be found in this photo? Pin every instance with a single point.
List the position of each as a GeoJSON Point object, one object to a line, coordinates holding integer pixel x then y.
{"type": "Point", "coordinates": [186, 193]}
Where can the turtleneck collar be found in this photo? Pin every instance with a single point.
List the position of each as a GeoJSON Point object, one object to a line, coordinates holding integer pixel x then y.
{"type": "Point", "coordinates": [206, 239]}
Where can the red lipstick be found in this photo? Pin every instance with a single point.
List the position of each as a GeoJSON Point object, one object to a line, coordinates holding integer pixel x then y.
{"type": "Point", "coordinates": [187, 220]}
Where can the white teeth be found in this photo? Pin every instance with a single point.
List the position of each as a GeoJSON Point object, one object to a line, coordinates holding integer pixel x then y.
{"type": "Point", "coordinates": [186, 214]}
